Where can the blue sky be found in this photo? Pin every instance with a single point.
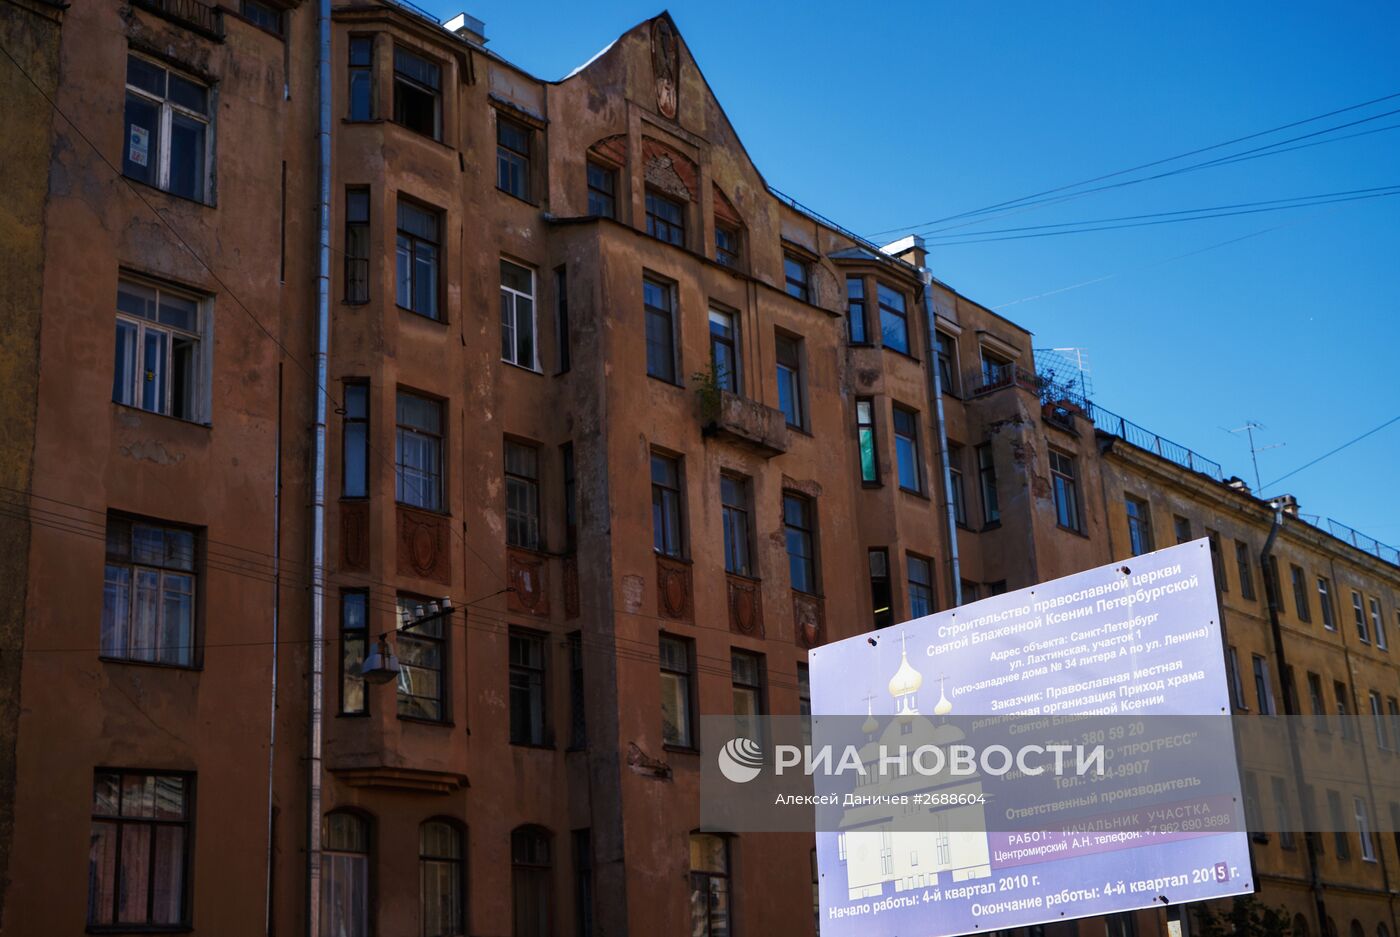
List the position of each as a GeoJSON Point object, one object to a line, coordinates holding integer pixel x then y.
{"type": "Point", "coordinates": [894, 114]}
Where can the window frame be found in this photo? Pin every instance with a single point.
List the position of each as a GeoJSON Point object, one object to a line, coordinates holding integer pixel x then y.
{"type": "Point", "coordinates": [1263, 686]}
{"type": "Point", "coordinates": [731, 342]}
{"type": "Point", "coordinates": [704, 882]}
{"type": "Point", "coordinates": [456, 865]}
{"type": "Point", "coordinates": [535, 674]}
{"type": "Point", "coordinates": [414, 84]}
{"type": "Point", "coordinates": [917, 587]}
{"type": "Point", "coordinates": [1244, 566]}
{"type": "Point", "coordinates": [1138, 512]}
{"type": "Point", "coordinates": [539, 875]}
{"type": "Point", "coordinates": [795, 382]}
{"type": "Point", "coordinates": [189, 656]}
{"type": "Point", "coordinates": [1358, 609]}
{"type": "Point", "coordinates": [806, 531]}
{"type": "Point", "coordinates": [358, 234]}
{"type": "Point", "coordinates": [355, 437]}
{"type": "Point", "coordinates": [516, 480]}
{"type": "Point", "coordinates": [946, 356]}
{"type": "Point", "coordinates": [669, 539]}
{"type": "Point", "coordinates": [867, 442]}
{"type": "Point", "coordinates": [877, 560]}
{"type": "Point", "coordinates": [1301, 604]}
{"type": "Point", "coordinates": [683, 689]}
{"type": "Point", "coordinates": [279, 26]}
{"type": "Point", "coordinates": [364, 873]}
{"type": "Point", "coordinates": [563, 334]}
{"type": "Point", "coordinates": [569, 479]}
{"type": "Point", "coordinates": [754, 688]}
{"type": "Point", "coordinates": [1237, 697]}
{"type": "Point", "coordinates": [667, 230]}
{"type": "Point", "coordinates": [1324, 601]}
{"type": "Point", "coordinates": [360, 71]}
{"type": "Point", "coordinates": [439, 640]}
{"type": "Point", "coordinates": [736, 518]}
{"type": "Point", "coordinates": [439, 503]}
{"type": "Point", "coordinates": [1064, 485]}
{"type": "Point", "coordinates": [609, 173]}
{"type": "Point", "coordinates": [894, 315]}
{"type": "Point", "coordinates": [857, 325]}
{"type": "Point", "coordinates": [512, 162]}
{"type": "Point", "coordinates": [361, 633]}
{"type": "Point", "coordinates": [657, 316]}
{"type": "Point", "coordinates": [798, 287]}
{"type": "Point", "coordinates": [987, 485]}
{"type": "Point", "coordinates": [908, 442]}
{"type": "Point", "coordinates": [199, 339]}
{"type": "Point", "coordinates": [413, 241]}
{"type": "Point", "coordinates": [728, 255]}
{"type": "Point", "coordinates": [512, 299]}
{"type": "Point", "coordinates": [167, 111]}
{"type": "Point", "coordinates": [119, 821]}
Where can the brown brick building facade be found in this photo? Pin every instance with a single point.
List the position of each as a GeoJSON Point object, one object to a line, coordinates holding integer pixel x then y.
{"type": "Point", "coordinates": [654, 429]}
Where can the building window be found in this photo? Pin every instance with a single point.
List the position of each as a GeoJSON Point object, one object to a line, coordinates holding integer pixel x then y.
{"type": "Point", "coordinates": [513, 157]}
{"type": "Point", "coordinates": [724, 350]}
{"type": "Point", "coordinates": [1377, 624]}
{"type": "Point", "coordinates": [1300, 592]}
{"type": "Point", "coordinates": [527, 703]}
{"type": "Point", "coordinates": [856, 328]}
{"type": "Point", "coordinates": [1217, 561]}
{"type": "Point", "coordinates": [1324, 602]}
{"type": "Point", "coordinates": [1139, 525]}
{"type": "Point", "coordinates": [531, 872]}
{"type": "Point", "coordinates": [894, 320]}
{"type": "Point", "coordinates": [797, 273]}
{"type": "Point", "coordinates": [1120, 925]}
{"type": "Point", "coordinates": [947, 355]}
{"type": "Point", "coordinates": [804, 702]}
{"type": "Point", "coordinates": [148, 593]}
{"type": "Point", "coordinates": [361, 94]}
{"type": "Point", "coordinates": [790, 383]}
{"type": "Point", "coordinates": [1263, 692]}
{"type": "Point", "coordinates": [563, 340]}
{"type": "Point", "coordinates": [1393, 708]}
{"type": "Point", "coordinates": [677, 695]}
{"type": "Point", "coordinates": [658, 300]}
{"type": "Point", "coordinates": [1246, 572]}
{"type": "Point", "coordinates": [921, 601]}
{"type": "Point", "coordinates": [734, 500]}
{"type": "Point", "coordinates": [578, 722]}
{"type": "Point", "coordinates": [1282, 814]}
{"type": "Point", "coordinates": [1339, 830]}
{"type": "Point", "coordinates": [570, 498]}
{"type": "Point", "coordinates": [345, 895]}
{"type": "Point", "coordinates": [799, 526]}
{"type": "Point", "coordinates": [262, 15]}
{"type": "Point", "coordinates": [726, 245]}
{"type": "Point", "coordinates": [665, 219]}
{"type": "Point", "coordinates": [1340, 693]}
{"type": "Point", "coordinates": [709, 885]}
{"type": "Point", "coordinates": [518, 316]}
{"type": "Point", "coordinates": [138, 852]}
{"type": "Point", "coordinates": [441, 879]}
{"type": "Point", "coordinates": [1378, 720]}
{"type": "Point", "coordinates": [1181, 526]}
{"type": "Point", "coordinates": [583, 883]}
{"type": "Point", "coordinates": [417, 259]}
{"type": "Point", "coordinates": [418, 452]}
{"type": "Point", "coordinates": [422, 648]}
{"type": "Point", "coordinates": [354, 441]}
{"type": "Point", "coordinates": [357, 245]}
{"type": "Point", "coordinates": [1064, 475]}
{"type": "Point", "coordinates": [955, 477]}
{"type": "Point", "coordinates": [987, 482]}
{"type": "Point", "coordinates": [417, 93]}
{"type": "Point", "coordinates": [881, 595]}
{"type": "Point", "coordinates": [906, 448]}
{"type": "Point", "coordinates": [667, 514]}
{"type": "Point", "coordinates": [167, 129]}
{"type": "Point", "coordinates": [996, 370]}
{"type": "Point", "coordinates": [522, 464]}
{"type": "Point", "coordinates": [1363, 829]}
{"type": "Point", "coordinates": [1236, 682]}
{"type": "Point", "coordinates": [865, 441]}
{"type": "Point", "coordinates": [1319, 708]}
{"type": "Point", "coordinates": [746, 671]}
{"type": "Point", "coordinates": [1359, 615]}
{"type": "Point", "coordinates": [602, 190]}
{"type": "Point", "coordinates": [159, 352]}
{"type": "Point", "coordinates": [354, 637]}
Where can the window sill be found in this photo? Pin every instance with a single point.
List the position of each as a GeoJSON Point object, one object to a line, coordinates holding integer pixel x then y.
{"type": "Point", "coordinates": [677, 558]}
{"type": "Point", "coordinates": [526, 200]}
{"type": "Point", "coordinates": [418, 133]}
{"type": "Point", "coordinates": [902, 354]}
{"type": "Point", "coordinates": [680, 749]}
{"type": "Point", "coordinates": [424, 721]}
{"type": "Point", "coordinates": [164, 416]}
{"type": "Point", "coordinates": [666, 380]}
{"type": "Point", "coordinates": [159, 665]}
{"type": "Point", "coordinates": [990, 525]}
{"type": "Point", "coordinates": [175, 195]}
{"type": "Point", "coordinates": [363, 715]}
{"type": "Point", "coordinates": [800, 429]}
{"type": "Point", "coordinates": [355, 302]}
{"type": "Point", "coordinates": [533, 746]}
{"type": "Point", "coordinates": [875, 485]}
{"type": "Point", "coordinates": [1072, 530]}
{"type": "Point", "coordinates": [914, 492]}
{"type": "Point", "coordinates": [422, 315]}
{"type": "Point", "coordinates": [416, 507]}
{"type": "Point", "coordinates": [520, 367]}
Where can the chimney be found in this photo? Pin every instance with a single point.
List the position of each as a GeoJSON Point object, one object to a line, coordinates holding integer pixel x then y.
{"type": "Point", "coordinates": [469, 28]}
{"type": "Point", "coordinates": [1235, 483]}
{"type": "Point", "coordinates": [910, 249]}
{"type": "Point", "coordinates": [1288, 504]}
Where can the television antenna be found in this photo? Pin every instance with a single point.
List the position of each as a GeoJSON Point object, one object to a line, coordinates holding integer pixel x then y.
{"type": "Point", "coordinates": [1248, 429]}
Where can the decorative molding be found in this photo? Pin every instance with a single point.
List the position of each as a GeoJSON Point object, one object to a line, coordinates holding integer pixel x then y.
{"type": "Point", "coordinates": [529, 584]}
{"type": "Point", "coordinates": [673, 591]}
{"type": "Point", "coordinates": [808, 619]}
{"type": "Point", "coordinates": [423, 550]}
{"type": "Point", "coordinates": [745, 606]}
{"type": "Point", "coordinates": [402, 779]}
{"type": "Point", "coordinates": [354, 535]}
{"type": "Point", "coordinates": [669, 171]}
{"type": "Point", "coordinates": [666, 65]}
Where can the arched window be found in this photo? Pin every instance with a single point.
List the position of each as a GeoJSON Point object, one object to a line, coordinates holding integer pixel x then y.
{"type": "Point", "coordinates": [709, 885]}
{"type": "Point", "coordinates": [530, 881]}
{"type": "Point", "coordinates": [1382, 930]}
{"type": "Point", "coordinates": [344, 875]}
{"type": "Point", "coordinates": [1356, 929]}
{"type": "Point", "coordinates": [1300, 926]}
{"type": "Point", "coordinates": [442, 884]}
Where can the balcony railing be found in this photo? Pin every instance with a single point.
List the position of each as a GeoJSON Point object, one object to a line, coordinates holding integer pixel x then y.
{"type": "Point", "coordinates": [994, 376]}
{"type": "Point", "coordinates": [201, 17]}
{"type": "Point", "coordinates": [1361, 541]}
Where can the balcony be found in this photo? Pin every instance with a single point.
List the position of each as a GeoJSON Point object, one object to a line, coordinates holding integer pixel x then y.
{"type": "Point", "coordinates": [194, 15]}
{"type": "Point", "coordinates": [996, 375]}
{"type": "Point", "coordinates": [745, 422]}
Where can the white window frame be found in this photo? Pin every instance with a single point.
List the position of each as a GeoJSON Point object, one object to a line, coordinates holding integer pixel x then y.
{"type": "Point", "coordinates": [202, 343]}
{"type": "Point", "coordinates": [515, 297]}
{"type": "Point", "coordinates": [1363, 830]}
{"type": "Point", "coordinates": [168, 109]}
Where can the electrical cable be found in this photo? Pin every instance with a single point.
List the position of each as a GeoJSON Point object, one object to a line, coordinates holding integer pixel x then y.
{"type": "Point", "coordinates": [1330, 453]}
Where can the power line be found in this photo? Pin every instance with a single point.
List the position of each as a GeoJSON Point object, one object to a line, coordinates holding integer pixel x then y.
{"type": "Point", "coordinates": [1325, 455]}
{"type": "Point", "coordinates": [1147, 165]}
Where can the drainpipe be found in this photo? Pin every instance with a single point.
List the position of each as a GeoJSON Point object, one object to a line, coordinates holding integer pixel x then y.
{"type": "Point", "coordinates": [276, 609]}
{"type": "Point", "coordinates": [1273, 591]}
{"type": "Point", "coordinates": [936, 379]}
{"type": "Point", "coordinates": [318, 492]}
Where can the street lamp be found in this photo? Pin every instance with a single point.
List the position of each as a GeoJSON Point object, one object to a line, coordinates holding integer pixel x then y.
{"type": "Point", "coordinates": [381, 665]}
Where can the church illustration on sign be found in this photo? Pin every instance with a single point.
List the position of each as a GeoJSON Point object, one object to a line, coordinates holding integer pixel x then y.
{"type": "Point", "coordinates": [883, 845]}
